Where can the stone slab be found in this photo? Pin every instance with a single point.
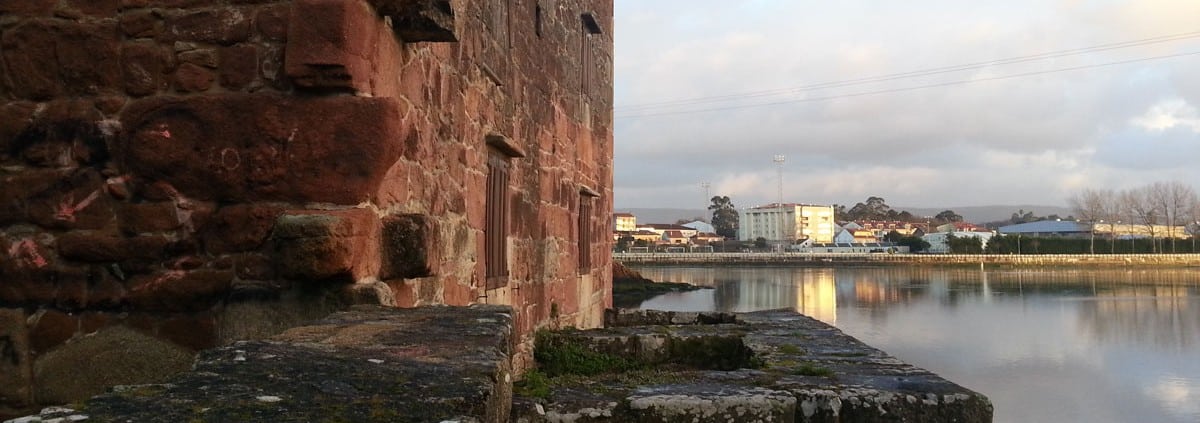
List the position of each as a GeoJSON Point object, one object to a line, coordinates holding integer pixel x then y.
{"type": "Point", "coordinates": [367, 364]}
{"type": "Point", "coordinates": [801, 370]}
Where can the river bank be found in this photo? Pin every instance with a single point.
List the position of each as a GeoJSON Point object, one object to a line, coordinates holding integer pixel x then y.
{"type": "Point", "coordinates": [630, 288]}
{"type": "Point", "coordinates": [824, 260]}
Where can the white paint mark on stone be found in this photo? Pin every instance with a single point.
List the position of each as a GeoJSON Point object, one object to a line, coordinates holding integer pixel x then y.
{"type": "Point", "coordinates": [268, 398]}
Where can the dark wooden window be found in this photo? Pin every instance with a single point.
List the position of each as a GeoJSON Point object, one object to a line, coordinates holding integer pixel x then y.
{"type": "Point", "coordinates": [584, 226]}
{"type": "Point", "coordinates": [496, 224]}
{"type": "Point", "coordinates": [537, 20]}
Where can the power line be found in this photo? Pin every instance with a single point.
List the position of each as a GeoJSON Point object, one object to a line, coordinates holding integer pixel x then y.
{"type": "Point", "coordinates": [913, 88]}
{"type": "Point", "coordinates": [912, 74]}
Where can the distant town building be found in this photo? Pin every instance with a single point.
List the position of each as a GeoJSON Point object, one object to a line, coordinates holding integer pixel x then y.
{"type": "Point", "coordinates": [938, 241]}
{"type": "Point", "coordinates": [881, 228]}
{"type": "Point", "coordinates": [787, 223]}
{"type": "Point", "coordinates": [701, 226]}
{"type": "Point", "coordinates": [1048, 228]}
{"type": "Point", "coordinates": [706, 238]}
{"type": "Point", "coordinates": [624, 222]}
{"type": "Point", "coordinates": [660, 228]}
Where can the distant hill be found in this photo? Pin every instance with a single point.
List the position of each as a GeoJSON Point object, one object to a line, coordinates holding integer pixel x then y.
{"type": "Point", "coordinates": [983, 214]}
{"type": "Point", "coordinates": [973, 214]}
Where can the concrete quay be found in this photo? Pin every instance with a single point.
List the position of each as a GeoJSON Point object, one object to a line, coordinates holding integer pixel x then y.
{"type": "Point", "coordinates": [877, 259]}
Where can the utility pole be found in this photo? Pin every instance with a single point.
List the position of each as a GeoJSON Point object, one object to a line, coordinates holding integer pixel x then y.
{"type": "Point", "coordinates": [779, 159]}
{"type": "Point", "coordinates": [706, 185]}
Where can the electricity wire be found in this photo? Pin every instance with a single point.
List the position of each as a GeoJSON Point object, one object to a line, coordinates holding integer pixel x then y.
{"type": "Point", "coordinates": [904, 75]}
{"type": "Point", "coordinates": [912, 88]}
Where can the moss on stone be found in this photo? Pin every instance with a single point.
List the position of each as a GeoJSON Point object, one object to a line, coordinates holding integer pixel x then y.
{"type": "Point", "coordinates": [558, 354]}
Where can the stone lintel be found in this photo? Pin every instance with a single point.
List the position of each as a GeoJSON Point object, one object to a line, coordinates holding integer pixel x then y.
{"type": "Point", "coordinates": [504, 145]}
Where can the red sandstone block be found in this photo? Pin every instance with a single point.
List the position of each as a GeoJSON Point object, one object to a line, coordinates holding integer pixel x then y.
{"type": "Point", "coordinates": [239, 227]}
{"type": "Point", "coordinates": [272, 22]}
{"type": "Point", "coordinates": [27, 7]}
{"type": "Point", "coordinates": [95, 8]}
{"type": "Point", "coordinates": [88, 57]}
{"type": "Point", "coordinates": [29, 59]}
{"type": "Point", "coordinates": [325, 245]}
{"type": "Point", "coordinates": [239, 66]}
{"type": "Point", "coordinates": [83, 246]}
{"type": "Point", "coordinates": [15, 117]}
{"type": "Point", "coordinates": [223, 26]}
{"type": "Point", "coordinates": [203, 57]}
{"type": "Point", "coordinates": [331, 44]}
{"type": "Point", "coordinates": [178, 290]}
{"type": "Point", "coordinates": [409, 246]}
{"type": "Point", "coordinates": [147, 217]}
{"type": "Point", "coordinates": [50, 328]}
{"type": "Point", "coordinates": [326, 149]}
{"type": "Point", "coordinates": [141, 24]}
{"type": "Point", "coordinates": [47, 58]}
{"type": "Point", "coordinates": [76, 201]}
{"type": "Point", "coordinates": [151, 248]}
{"type": "Point", "coordinates": [193, 78]}
{"type": "Point", "coordinates": [108, 291]}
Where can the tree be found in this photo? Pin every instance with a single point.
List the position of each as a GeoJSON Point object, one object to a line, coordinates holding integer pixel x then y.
{"type": "Point", "coordinates": [875, 208]}
{"type": "Point", "coordinates": [914, 244]}
{"type": "Point", "coordinates": [839, 213]}
{"type": "Point", "coordinates": [1090, 205]}
{"type": "Point", "coordinates": [893, 236]}
{"type": "Point", "coordinates": [760, 242]}
{"type": "Point", "coordinates": [948, 216]}
{"type": "Point", "coordinates": [623, 243]}
{"type": "Point", "coordinates": [1140, 202]}
{"type": "Point", "coordinates": [964, 244]}
{"type": "Point", "coordinates": [724, 217]}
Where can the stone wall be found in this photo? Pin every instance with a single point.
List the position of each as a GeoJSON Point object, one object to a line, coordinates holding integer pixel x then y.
{"type": "Point", "coordinates": [179, 174]}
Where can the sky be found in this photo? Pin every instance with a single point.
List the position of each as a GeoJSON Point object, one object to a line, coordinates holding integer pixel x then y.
{"type": "Point", "coordinates": [923, 103]}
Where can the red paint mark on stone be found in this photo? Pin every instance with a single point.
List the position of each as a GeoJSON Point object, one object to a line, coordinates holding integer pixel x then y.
{"type": "Point", "coordinates": [170, 275]}
{"type": "Point", "coordinates": [162, 131]}
{"type": "Point", "coordinates": [67, 207]}
{"type": "Point", "coordinates": [26, 251]}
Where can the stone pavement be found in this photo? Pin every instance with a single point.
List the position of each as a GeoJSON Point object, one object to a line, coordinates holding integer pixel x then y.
{"type": "Point", "coordinates": [380, 364]}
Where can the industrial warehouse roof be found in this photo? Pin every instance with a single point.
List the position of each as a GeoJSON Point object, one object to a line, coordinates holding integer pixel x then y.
{"type": "Point", "coordinates": [1045, 227]}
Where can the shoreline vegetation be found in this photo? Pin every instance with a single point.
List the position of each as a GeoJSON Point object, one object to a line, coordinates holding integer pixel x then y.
{"type": "Point", "coordinates": [630, 288]}
{"type": "Point", "coordinates": [834, 260]}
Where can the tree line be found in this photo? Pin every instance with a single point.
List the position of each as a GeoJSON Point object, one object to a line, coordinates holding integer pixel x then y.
{"type": "Point", "coordinates": [1163, 209]}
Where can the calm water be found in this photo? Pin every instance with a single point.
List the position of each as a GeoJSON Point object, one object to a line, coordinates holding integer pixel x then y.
{"type": "Point", "coordinates": [1043, 345]}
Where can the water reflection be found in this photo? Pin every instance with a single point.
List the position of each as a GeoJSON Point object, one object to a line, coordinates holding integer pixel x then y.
{"type": "Point", "coordinates": [1045, 345]}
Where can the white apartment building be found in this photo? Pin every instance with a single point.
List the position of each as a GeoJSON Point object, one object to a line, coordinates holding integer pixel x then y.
{"type": "Point", "coordinates": [788, 223]}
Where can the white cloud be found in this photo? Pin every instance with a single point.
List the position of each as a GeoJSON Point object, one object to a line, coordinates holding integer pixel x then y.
{"type": "Point", "coordinates": [1167, 115]}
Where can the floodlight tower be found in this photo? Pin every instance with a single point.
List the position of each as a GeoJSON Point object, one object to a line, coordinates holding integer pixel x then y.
{"type": "Point", "coordinates": [779, 159]}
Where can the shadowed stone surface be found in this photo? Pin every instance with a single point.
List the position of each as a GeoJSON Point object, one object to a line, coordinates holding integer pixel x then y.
{"type": "Point", "coordinates": [800, 370]}
{"type": "Point", "coordinates": [368, 364]}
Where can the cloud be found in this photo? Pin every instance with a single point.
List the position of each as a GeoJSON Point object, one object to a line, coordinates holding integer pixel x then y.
{"type": "Point", "coordinates": [1167, 115]}
{"type": "Point", "coordinates": [1030, 139]}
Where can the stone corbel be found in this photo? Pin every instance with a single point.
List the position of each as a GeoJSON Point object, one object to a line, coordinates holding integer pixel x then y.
{"type": "Point", "coordinates": [419, 20]}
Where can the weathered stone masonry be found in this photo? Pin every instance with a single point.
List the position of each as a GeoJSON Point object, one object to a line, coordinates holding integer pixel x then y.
{"type": "Point", "coordinates": [179, 174]}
